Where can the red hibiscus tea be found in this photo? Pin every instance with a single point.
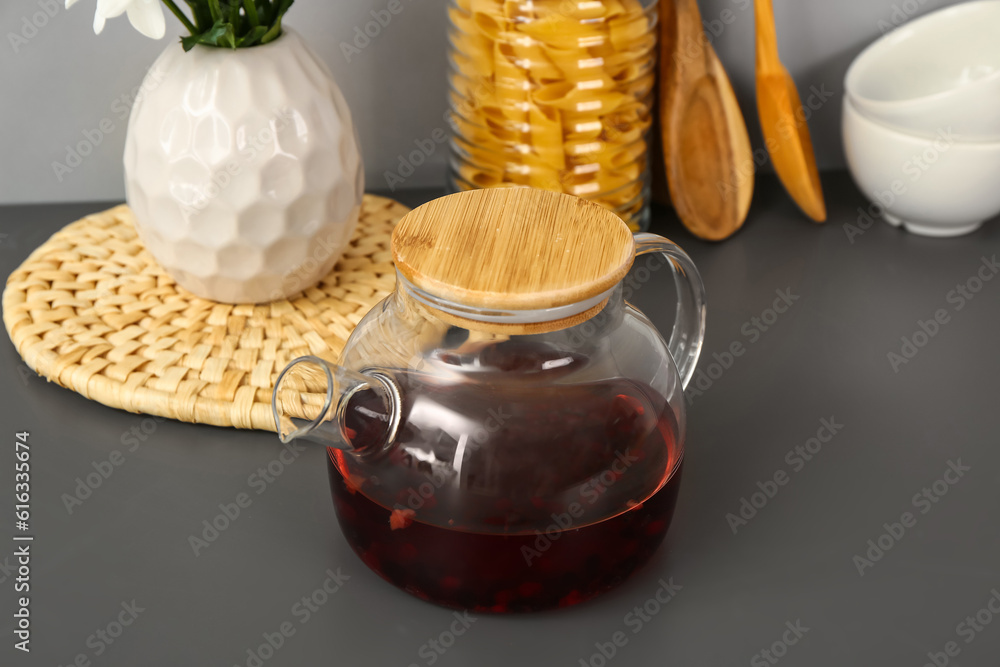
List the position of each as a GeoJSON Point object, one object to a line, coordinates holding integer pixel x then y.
{"type": "Point", "coordinates": [513, 498]}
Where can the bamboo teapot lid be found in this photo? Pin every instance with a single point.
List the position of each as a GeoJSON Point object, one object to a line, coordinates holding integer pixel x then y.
{"type": "Point", "coordinates": [513, 249]}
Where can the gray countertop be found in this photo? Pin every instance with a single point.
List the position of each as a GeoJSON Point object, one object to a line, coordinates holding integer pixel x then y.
{"type": "Point", "coordinates": [840, 502]}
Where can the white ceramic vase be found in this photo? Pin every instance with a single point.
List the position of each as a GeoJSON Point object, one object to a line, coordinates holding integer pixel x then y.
{"type": "Point", "coordinates": [243, 169]}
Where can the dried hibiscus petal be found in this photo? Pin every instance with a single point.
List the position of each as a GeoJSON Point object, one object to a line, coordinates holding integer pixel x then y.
{"type": "Point", "coordinates": [401, 518]}
{"type": "Point", "coordinates": [353, 483]}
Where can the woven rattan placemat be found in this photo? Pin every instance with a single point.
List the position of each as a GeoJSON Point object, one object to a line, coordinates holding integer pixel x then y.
{"type": "Point", "coordinates": [92, 311]}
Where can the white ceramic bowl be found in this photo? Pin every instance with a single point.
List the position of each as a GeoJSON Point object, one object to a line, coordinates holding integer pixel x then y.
{"type": "Point", "coordinates": [938, 71]}
{"type": "Point", "coordinates": [932, 186]}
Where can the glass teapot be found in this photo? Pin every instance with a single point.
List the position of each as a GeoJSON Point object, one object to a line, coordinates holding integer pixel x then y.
{"type": "Point", "coordinates": [504, 432]}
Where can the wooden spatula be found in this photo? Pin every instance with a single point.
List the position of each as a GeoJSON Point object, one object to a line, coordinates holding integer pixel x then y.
{"type": "Point", "coordinates": [706, 149]}
{"type": "Point", "coordinates": [785, 135]}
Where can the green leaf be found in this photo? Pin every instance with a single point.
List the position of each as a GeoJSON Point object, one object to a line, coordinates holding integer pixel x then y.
{"type": "Point", "coordinates": [252, 37]}
{"type": "Point", "coordinates": [202, 16]}
{"type": "Point", "coordinates": [284, 7]}
{"type": "Point", "coordinates": [221, 35]}
{"type": "Point", "coordinates": [233, 23]}
{"type": "Point", "coordinates": [275, 30]}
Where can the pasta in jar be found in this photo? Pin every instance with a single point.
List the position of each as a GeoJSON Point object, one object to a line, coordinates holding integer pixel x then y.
{"type": "Point", "coordinates": [554, 94]}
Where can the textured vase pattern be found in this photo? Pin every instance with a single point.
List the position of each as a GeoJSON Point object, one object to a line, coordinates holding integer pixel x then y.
{"type": "Point", "coordinates": [243, 169]}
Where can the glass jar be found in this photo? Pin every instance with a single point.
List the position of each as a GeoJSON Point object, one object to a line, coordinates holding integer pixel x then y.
{"type": "Point", "coordinates": [554, 94]}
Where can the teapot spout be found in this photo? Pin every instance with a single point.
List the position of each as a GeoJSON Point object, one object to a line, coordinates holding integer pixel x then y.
{"type": "Point", "coordinates": [334, 407]}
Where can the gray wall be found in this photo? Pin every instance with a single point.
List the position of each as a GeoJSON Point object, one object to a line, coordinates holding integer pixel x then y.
{"type": "Point", "coordinates": [61, 83]}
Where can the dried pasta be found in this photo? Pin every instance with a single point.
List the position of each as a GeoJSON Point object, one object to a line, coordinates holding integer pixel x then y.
{"type": "Point", "coordinates": [554, 94]}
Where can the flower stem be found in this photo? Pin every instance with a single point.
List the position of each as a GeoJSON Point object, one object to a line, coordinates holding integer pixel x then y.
{"type": "Point", "coordinates": [181, 16]}
{"type": "Point", "coordinates": [275, 30]}
{"type": "Point", "coordinates": [213, 6]}
{"type": "Point", "coordinates": [234, 15]}
{"type": "Point", "coordinates": [251, 10]}
{"type": "Point", "coordinates": [201, 17]}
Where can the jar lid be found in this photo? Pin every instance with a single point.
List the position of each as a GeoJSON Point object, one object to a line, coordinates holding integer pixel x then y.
{"type": "Point", "coordinates": [513, 249]}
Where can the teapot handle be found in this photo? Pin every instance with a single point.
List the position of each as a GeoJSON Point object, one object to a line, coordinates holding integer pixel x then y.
{"type": "Point", "coordinates": [688, 334]}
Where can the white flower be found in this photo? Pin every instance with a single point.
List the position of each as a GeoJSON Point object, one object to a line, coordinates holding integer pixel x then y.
{"type": "Point", "coordinates": [146, 16]}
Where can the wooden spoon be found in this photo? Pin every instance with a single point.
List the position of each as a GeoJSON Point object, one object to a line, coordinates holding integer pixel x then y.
{"type": "Point", "coordinates": [707, 154]}
{"type": "Point", "coordinates": [785, 135]}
